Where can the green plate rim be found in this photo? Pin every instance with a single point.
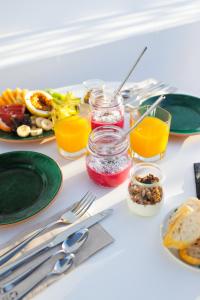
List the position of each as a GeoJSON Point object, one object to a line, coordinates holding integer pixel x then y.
{"type": "Point", "coordinates": [178, 131]}
{"type": "Point", "coordinates": [9, 219]}
{"type": "Point", "coordinates": [14, 138]}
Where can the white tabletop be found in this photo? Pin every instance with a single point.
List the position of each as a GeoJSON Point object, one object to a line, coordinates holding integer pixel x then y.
{"type": "Point", "coordinates": [68, 43]}
{"type": "Point", "coordinates": [135, 266]}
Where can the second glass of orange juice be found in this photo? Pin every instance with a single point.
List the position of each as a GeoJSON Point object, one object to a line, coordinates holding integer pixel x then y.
{"type": "Point", "coordinates": [72, 136]}
{"type": "Point", "coordinates": [149, 139]}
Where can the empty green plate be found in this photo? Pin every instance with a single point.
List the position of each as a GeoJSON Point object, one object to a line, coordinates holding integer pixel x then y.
{"type": "Point", "coordinates": [29, 181]}
{"type": "Point", "coordinates": [185, 111]}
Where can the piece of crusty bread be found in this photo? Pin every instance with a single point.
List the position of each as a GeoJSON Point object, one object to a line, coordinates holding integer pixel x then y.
{"type": "Point", "coordinates": [184, 226]}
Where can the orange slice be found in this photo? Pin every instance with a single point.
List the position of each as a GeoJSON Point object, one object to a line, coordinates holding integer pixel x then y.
{"type": "Point", "coordinates": [183, 253]}
{"type": "Point", "coordinates": [6, 98]}
{"type": "Point", "coordinates": [10, 95]}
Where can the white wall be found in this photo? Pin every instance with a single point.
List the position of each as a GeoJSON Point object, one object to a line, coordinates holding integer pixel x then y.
{"type": "Point", "coordinates": [56, 43]}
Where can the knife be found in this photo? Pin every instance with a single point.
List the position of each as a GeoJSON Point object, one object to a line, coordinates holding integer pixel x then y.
{"type": "Point", "coordinates": [90, 221]}
{"type": "Point", "coordinates": [197, 178]}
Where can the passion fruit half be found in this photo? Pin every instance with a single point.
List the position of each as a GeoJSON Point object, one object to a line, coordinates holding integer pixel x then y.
{"type": "Point", "coordinates": [39, 103]}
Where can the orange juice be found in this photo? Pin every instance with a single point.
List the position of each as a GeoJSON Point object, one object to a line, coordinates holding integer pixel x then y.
{"type": "Point", "coordinates": [72, 134]}
{"type": "Point", "coordinates": [150, 137]}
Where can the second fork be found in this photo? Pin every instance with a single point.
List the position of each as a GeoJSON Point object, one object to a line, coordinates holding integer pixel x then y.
{"type": "Point", "coordinates": [70, 216]}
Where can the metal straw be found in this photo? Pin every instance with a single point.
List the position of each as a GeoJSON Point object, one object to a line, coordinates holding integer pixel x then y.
{"type": "Point", "coordinates": [130, 72]}
{"type": "Point", "coordinates": [154, 105]}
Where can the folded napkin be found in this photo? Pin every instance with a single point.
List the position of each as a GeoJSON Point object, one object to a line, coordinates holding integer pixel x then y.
{"type": "Point", "coordinates": [98, 238]}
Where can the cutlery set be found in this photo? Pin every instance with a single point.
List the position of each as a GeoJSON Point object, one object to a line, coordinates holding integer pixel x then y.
{"type": "Point", "coordinates": [142, 90]}
{"type": "Point", "coordinates": [69, 241]}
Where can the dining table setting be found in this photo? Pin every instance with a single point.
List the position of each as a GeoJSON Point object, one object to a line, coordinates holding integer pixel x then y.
{"type": "Point", "coordinates": [100, 190]}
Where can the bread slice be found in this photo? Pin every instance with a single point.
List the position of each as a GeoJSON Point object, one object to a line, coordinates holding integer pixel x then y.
{"type": "Point", "coordinates": [184, 226]}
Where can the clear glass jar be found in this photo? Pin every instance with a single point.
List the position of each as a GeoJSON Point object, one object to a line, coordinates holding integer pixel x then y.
{"type": "Point", "coordinates": [108, 163]}
{"type": "Point", "coordinates": [90, 86]}
{"type": "Point", "coordinates": [145, 191]}
{"type": "Point", "coordinates": [106, 109]}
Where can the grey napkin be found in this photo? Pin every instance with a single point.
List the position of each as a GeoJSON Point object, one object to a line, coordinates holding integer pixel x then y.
{"type": "Point", "coordinates": [97, 240]}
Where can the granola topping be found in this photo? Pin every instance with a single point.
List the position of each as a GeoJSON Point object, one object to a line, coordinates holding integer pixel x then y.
{"type": "Point", "coordinates": [143, 194]}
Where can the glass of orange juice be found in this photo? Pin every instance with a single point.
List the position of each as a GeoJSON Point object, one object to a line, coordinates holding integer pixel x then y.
{"type": "Point", "coordinates": [72, 134]}
{"type": "Point", "coordinates": [149, 139]}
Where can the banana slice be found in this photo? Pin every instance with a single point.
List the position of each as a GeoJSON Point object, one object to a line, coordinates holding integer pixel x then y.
{"type": "Point", "coordinates": [36, 131]}
{"type": "Point", "coordinates": [33, 120]}
{"type": "Point", "coordinates": [23, 130]}
{"type": "Point", "coordinates": [38, 121]}
{"type": "Point", "coordinates": [46, 124]}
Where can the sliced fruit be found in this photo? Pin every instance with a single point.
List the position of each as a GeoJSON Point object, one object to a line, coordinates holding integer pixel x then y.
{"type": "Point", "coordinates": [4, 127]}
{"type": "Point", "coordinates": [2, 102]}
{"type": "Point", "coordinates": [33, 120]}
{"type": "Point", "coordinates": [36, 131]}
{"type": "Point", "coordinates": [23, 130]}
{"type": "Point", "coordinates": [13, 110]}
{"type": "Point", "coordinates": [39, 103]}
{"type": "Point", "coordinates": [38, 121]}
{"type": "Point", "coordinates": [6, 98]}
{"type": "Point", "coordinates": [13, 97]}
{"type": "Point", "coordinates": [185, 256]}
{"type": "Point", "coordinates": [46, 124]}
{"type": "Point", "coordinates": [10, 114]}
{"type": "Point", "coordinates": [18, 96]}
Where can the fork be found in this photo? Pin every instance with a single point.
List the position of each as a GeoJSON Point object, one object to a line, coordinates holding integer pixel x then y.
{"type": "Point", "coordinates": [132, 103]}
{"type": "Point", "coordinates": [76, 211]}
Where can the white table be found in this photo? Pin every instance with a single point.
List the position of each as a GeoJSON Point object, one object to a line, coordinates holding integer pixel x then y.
{"type": "Point", "coordinates": [135, 266]}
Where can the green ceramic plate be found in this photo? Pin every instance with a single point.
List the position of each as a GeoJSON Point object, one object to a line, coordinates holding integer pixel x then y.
{"type": "Point", "coordinates": [185, 111]}
{"type": "Point", "coordinates": [29, 181]}
{"type": "Point", "coordinates": [13, 137]}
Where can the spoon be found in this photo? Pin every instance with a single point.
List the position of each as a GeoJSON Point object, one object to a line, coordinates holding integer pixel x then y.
{"type": "Point", "coordinates": [59, 267]}
{"type": "Point", "coordinates": [130, 72]}
{"type": "Point", "coordinates": [71, 245]}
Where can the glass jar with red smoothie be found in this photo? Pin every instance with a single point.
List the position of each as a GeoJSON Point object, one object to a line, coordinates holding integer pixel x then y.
{"type": "Point", "coordinates": [106, 109]}
{"type": "Point", "coordinates": [108, 161]}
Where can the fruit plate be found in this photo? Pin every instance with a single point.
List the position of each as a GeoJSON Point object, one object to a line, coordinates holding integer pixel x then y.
{"type": "Point", "coordinates": [185, 111]}
{"type": "Point", "coordinates": [14, 138]}
{"type": "Point", "coordinates": [36, 179]}
{"type": "Point", "coordinates": [173, 252]}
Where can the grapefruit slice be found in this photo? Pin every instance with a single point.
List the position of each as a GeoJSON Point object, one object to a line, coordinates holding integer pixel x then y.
{"type": "Point", "coordinates": [9, 113]}
{"type": "Point", "coordinates": [4, 127]}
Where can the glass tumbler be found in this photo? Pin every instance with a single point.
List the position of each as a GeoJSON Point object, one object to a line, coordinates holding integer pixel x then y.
{"type": "Point", "coordinates": [150, 138]}
{"type": "Point", "coordinates": [72, 134]}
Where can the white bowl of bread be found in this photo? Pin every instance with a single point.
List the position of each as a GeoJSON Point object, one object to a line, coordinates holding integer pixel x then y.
{"type": "Point", "coordinates": [181, 233]}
